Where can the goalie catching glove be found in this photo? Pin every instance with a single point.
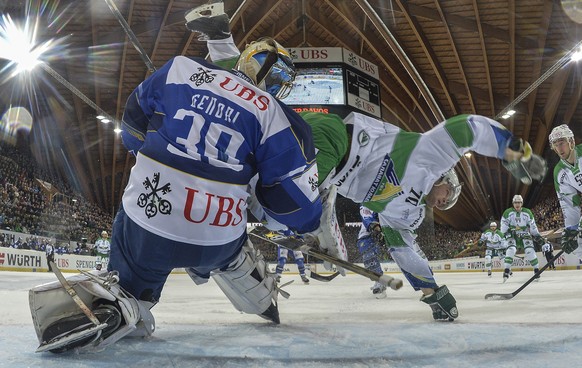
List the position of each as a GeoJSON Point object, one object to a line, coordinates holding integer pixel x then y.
{"type": "Point", "coordinates": [522, 163]}
{"type": "Point", "coordinates": [569, 240]}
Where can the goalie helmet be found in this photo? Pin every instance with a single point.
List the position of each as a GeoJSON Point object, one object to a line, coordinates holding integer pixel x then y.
{"type": "Point", "coordinates": [517, 199]}
{"type": "Point", "coordinates": [450, 177]}
{"type": "Point", "coordinates": [561, 132]}
{"type": "Point", "coordinates": [269, 65]}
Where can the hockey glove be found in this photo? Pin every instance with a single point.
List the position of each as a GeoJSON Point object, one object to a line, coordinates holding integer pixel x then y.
{"type": "Point", "coordinates": [376, 233]}
{"type": "Point", "coordinates": [569, 240]}
{"type": "Point", "coordinates": [480, 242]}
{"type": "Point", "coordinates": [539, 241]}
{"type": "Point", "coordinates": [528, 168]}
{"type": "Point", "coordinates": [442, 303]}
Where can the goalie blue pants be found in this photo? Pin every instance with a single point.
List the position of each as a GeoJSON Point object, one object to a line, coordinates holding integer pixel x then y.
{"type": "Point", "coordinates": [144, 260]}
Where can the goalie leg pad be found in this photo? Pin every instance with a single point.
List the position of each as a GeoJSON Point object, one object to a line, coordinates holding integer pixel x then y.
{"type": "Point", "coordinates": [328, 235]}
{"type": "Point", "coordinates": [442, 303]}
{"type": "Point", "coordinates": [54, 312]}
{"type": "Point", "coordinates": [249, 286]}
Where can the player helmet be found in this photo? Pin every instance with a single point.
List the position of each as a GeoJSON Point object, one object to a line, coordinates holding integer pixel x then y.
{"type": "Point", "coordinates": [450, 177]}
{"type": "Point", "coordinates": [104, 234]}
{"type": "Point", "coordinates": [517, 199]}
{"type": "Point", "coordinates": [560, 132]}
{"type": "Point", "coordinates": [493, 224]}
{"type": "Point", "coordinates": [269, 65]}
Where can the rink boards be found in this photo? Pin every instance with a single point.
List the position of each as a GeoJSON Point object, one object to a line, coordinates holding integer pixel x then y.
{"type": "Point", "coordinates": [34, 261]}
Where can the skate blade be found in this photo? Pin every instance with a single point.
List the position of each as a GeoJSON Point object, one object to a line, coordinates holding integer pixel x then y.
{"type": "Point", "coordinates": [205, 11]}
{"type": "Point", "coordinates": [65, 340]}
{"type": "Point", "coordinates": [381, 295]}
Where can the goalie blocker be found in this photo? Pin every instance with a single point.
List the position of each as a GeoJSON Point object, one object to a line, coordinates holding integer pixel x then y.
{"type": "Point", "coordinates": [61, 325]}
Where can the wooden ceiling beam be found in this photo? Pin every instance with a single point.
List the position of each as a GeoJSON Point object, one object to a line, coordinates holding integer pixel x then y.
{"type": "Point", "coordinates": [430, 55]}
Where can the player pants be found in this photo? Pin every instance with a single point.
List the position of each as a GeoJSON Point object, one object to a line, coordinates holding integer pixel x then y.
{"type": "Point", "coordinates": [144, 260]}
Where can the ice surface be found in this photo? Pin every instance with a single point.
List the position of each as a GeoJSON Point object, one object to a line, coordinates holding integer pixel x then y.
{"type": "Point", "coordinates": [335, 324]}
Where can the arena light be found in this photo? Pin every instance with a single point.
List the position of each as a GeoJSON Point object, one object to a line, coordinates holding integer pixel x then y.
{"type": "Point", "coordinates": [577, 55]}
{"type": "Point", "coordinates": [574, 54]}
{"type": "Point", "coordinates": [18, 45]}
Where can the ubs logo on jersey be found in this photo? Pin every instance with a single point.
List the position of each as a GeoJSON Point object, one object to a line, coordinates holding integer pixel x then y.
{"type": "Point", "coordinates": [153, 202]}
{"type": "Point", "coordinates": [313, 182]}
{"type": "Point", "coordinates": [363, 138]}
{"type": "Point", "coordinates": [386, 185]}
{"type": "Point", "coordinates": [203, 76]}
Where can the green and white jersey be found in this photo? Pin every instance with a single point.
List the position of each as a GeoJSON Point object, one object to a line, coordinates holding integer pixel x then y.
{"type": "Point", "coordinates": [568, 184]}
{"type": "Point", "coordinates": [520, 223]}
{"type": "Point", "coordinates": [493, 239]}
{"type": "Point", "coordinates": [102, 247]}
{"type": "Point", "coordinates": [391, 171]}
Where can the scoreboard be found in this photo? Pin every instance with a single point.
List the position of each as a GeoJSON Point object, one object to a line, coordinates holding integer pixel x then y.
{"type": "Point", "coordinates": [334, 80]}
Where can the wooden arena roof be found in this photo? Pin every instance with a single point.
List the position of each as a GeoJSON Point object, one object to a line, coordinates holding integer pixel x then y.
{"type": "Point", "coordinates": [436, 59]}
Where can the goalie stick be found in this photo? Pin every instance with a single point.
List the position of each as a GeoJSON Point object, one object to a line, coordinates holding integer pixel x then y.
{"type": "Point", "coordinates": [495, 296]}
{"type": "Point", "coordinates": [57, 343]}
{"type": "Point", "coordinates": [299, 244]}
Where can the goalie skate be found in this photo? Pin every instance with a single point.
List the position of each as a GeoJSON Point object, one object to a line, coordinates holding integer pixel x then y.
{"type": "Point", "coordinates": [75, 331]}
{"type": "Point", "coordinates": [209, 20]}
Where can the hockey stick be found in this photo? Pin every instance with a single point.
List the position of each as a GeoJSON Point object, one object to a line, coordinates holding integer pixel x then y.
{"type": "Point", "coordinates": [508, 296]}
{"type": "Point", "coordinates": [132, 38]}
{"type": "Point", "coordinates": [69, 289]}
{"type": "Point", "coordinates": [299, 244]}
{"type": "Point", "coordinates": [316, 276]}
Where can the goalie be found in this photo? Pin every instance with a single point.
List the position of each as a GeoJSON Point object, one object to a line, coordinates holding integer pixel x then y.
{"type": "Point", "coordinates": [398, 174]}
{"type": "Point", "coordinates": [198, 143]}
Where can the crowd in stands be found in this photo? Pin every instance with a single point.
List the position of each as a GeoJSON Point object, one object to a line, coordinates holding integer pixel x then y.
{"type": "Point", "coordinates": [27, 206]}
{"type": "Point", "coordinates": [38, 202]}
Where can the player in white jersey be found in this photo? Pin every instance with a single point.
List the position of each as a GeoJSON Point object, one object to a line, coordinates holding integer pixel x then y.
{"type": "Point", "coordinates": [102, 250]}
{"type": "Point", "coordinates": [398, 174]}
{"type": "Point", "coordinates": [520, 231]}
{"type": "Point", "coordinates": [494, 241]}
{"type": "Point", "coordinates": [568, 184]}
{"type": "Point", "coordinates": [199, 133]}
{"type": "Point", "coordinates": [370, 238]}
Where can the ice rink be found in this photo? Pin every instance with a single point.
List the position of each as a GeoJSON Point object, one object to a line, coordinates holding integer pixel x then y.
{"type": "Point", "coordinates": [334, 324]}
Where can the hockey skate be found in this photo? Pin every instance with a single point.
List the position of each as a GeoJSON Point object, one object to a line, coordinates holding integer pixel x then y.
{"type": "Point", "coordinates": [537, 276]}
{"type": "Point", "coordinates": [506, 274]}
{"type": "Point", "coordinates": [379, 290]}
{"type": "Point", "coordinates": [304, 279]}
{"type": "Point", "coordinates": [209, 20]}
{"type": "Point", "coordinates": [489, 273]}
{"type": "Point", "coordinates": [278, 279]}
